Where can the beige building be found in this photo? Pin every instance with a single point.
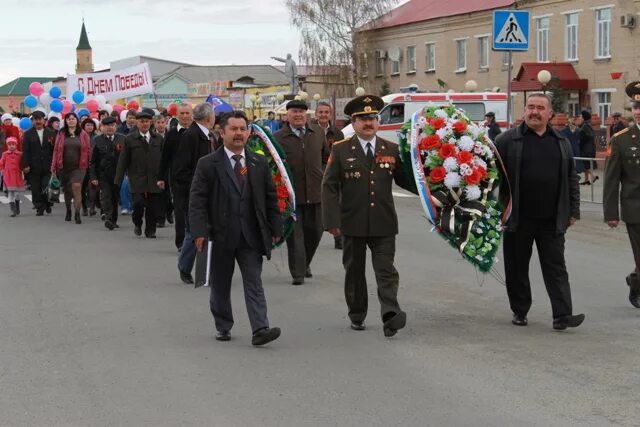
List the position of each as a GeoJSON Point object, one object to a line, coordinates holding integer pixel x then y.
{"type": "Point", "coordinates": [440, 46]}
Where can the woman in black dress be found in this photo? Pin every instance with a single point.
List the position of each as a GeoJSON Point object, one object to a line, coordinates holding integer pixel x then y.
{"type": "Point", "coordinates": [587, 146]}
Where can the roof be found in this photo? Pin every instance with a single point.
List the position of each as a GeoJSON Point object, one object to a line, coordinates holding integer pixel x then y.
{"type": "Point", "coordinates": [425, 10]}
{"type": "Point", "coordinates": [159, 67]}
{"type": "Point", "coordinates": [261, 74]}
{"type": "Point", "coordinates": [84, 40]}
{"type": "Point", "coordinates": [527, 77]}
{"type": "Point", "coordinates": [314, 70]}
{"type": "Point", "coordinates": [20, 86]}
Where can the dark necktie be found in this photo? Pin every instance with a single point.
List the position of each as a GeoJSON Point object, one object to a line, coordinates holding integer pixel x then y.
{"type": "Point", "coordinates": [369, 154]}
{"type": "Point", "coordinates": [146, 139]}
{"type": "Point", "coordinates": [212, 141]}
{"type": "Point", "coordinates": [239, 170]}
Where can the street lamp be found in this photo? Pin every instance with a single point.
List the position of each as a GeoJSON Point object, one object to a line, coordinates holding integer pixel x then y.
{"type": "Point", "coordinates": [360, 91]}
{"type": "Point", "coordinates": [470, 85]}
{"type": "Point", "coordinates": [544, 77]}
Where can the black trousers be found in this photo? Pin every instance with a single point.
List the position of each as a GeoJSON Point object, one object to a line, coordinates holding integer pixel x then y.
{"type": "Point", "coordinates": [634, 237]}
{"type": "Point", "coordinates": [517, 250]}
{"type": "Point", "coordinates": [110, 197]}
{"type": "Point", "coordinates": [304, 241]}
{"type": "Point", "coordinates": [354, 253]}
{"type": "Point", "coordinates": [222, 267]}
{"type": "Point", "coordinates": [181, 208]}
{"type": "Point", "coordinates": [146, 205]}
{"type": "Point", "coordinates": [38, 183]}
{"type": "Point", "coordinates": [166, 208]}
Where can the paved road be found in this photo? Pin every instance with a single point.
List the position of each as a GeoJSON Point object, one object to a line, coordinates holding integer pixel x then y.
{"type": "Point", "coordinates": [96, 330]}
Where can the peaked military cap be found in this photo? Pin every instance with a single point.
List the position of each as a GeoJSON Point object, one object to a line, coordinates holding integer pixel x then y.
{"type": "Point", "coordinates": [365, 105]}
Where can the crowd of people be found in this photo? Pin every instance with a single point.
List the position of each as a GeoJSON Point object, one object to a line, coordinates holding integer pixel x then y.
{"type": "Point", "coordinates": [193, 171]}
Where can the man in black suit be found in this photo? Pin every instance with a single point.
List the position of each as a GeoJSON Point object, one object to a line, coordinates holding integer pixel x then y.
{"type": "Point", "coordinates": [234, 203]}
{"type": "Point", "coordinates": [167, 170]}
{"type": "Point", "coordinates": [102, 169]}
{"type": "Point", "coordinates": [37, 150]}
{"type": "Point", "coordinates": [195, 142]}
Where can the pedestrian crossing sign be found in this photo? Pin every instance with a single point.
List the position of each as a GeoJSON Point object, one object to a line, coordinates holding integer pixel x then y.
{"type": "Point", "coordinates": [511, 30]}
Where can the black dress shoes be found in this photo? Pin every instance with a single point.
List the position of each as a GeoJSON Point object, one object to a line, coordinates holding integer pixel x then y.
{"type": "Point", "coordinates": [308, 273]}
{"type": "Point", "coordinates": [137, 230]}
{"type": "Point", "coordinates": [47, 209]}
{"type": "Point", "coordinates": [519, 320]}
{"type": "Point", "coordinates": [150, 235]}
{"type": "Point", "coordinates": [109, 225]}
{"type": "Point", "coordinates": [264, 336]}
{"type": "Point", "coordinates": [563, 322]}
{"type": "Point", "coordinates": [170, 218]}
{"type": "Point", "coordinates": [297, 281]}
{"type": "Point", "coordinates": [634, 294]}
{"type": "Point", "coordinates": [223, 336]}
{"type": "Point", "coordinates": [186, 278]}
{"type": "Point", "coordinates": [358, 326]}
{"type": "Point", "coordinates": [394, 323]}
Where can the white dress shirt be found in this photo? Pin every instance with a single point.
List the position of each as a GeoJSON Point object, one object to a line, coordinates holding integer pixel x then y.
{"type": "Point", "coordinates": [364, 144]}
{"type": "Point", "coordinates": [204, 130]}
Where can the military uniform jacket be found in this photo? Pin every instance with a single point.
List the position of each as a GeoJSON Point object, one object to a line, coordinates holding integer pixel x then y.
{"type": "Point", "coordinates": [356, 196]}
{"type": "Point", "coordinates": [104, 157]}
{"type": "Point", "coordinates": [622, 177]}
{"type": "Point", "coordinates": [306, 157]}
{"type": "Point", "coordinates": [141, 162]}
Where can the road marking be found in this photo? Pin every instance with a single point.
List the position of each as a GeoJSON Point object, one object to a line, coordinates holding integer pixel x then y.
{"type": "Point", "coordinates": [5, 200]}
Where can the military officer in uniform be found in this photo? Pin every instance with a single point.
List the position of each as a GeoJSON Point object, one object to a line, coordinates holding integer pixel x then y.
{"type": "Point", "coordinates": [622, 185]}
{"type": "Point", "coordinates": [357, 203]}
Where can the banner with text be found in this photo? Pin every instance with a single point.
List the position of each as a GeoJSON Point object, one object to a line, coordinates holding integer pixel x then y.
{"type": "Point", "coordinates": [117, 84]}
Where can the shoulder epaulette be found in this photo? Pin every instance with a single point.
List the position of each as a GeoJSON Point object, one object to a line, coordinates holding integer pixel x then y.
{"type": "Point", "coordinates": [621, 132]}
{"type": "Point", "coordinates": [341, 141]}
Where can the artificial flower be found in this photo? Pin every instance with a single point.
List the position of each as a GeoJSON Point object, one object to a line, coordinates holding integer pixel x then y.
{"type": "Point", "coordinates": [430, 142]}
{"type": "Point", "coordinates": [447, 150]}
{"type": "Point", "coordinates": [437, 174]}
{"type": "Point", "coordinates": [465, 143]}
{"type": "Point", "coordinates": [464, 157]}
{"type": "Point", "coordinates": [452, 180]}
{"type": "Point", "coordinates": [450, 164]}
{"type": "Point", "coordinates": [459, 127]}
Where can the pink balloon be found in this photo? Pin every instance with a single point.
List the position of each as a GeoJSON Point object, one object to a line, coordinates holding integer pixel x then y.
{"type": "Point", "coordinates": [93, 105]}
{"type": "Point", "coordinates": [36, 89]}
{"type": "Point", "coordinates": [66, 106]}
{"type": "Point", "coordinates": [118, 108]}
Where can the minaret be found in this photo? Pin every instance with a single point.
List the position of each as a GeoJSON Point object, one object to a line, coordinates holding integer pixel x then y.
{"type": "Point", "coordinates": [84, 57]}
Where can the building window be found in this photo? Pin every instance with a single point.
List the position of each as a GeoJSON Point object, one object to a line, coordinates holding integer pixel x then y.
{"type": "Point", "coordinates": [364, 65]}
{"type": "Point", "coordinates": [411, 59]}
{"type": "Point", "coordinates": [542, 39]}
{"type": "Point", "coordinates": [571, 37]}
{"type": "Point", "coordinates": [395, 67]}
{"type": "Point", "coordinates": [573, 108]}
{"type": "Point", "coordinates": [379, 63]}
{"type": "Point", "coordinates": [603, 33]}
{"type": "Point", "coordinates": [461, 55]}
{"type": "Point", "coordinates": [604, 104]}
{"type": "Point", "coordinates": [431, 56]}
{"type": "Point", "coordinates": [483, 52]}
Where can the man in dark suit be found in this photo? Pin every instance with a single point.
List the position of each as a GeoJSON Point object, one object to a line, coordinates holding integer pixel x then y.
{"type": "Point", "coordinates": [130, 123]}
{"type": "Point", "coordinates": [234, 203]}
{"type": "Point", "coordinates": [37, 146]}
{"type": "Point", "coordinates": [102, 169]}
{"type": "Point", "coordinates": [195, 142]}
{"type": "Point", "coordinates": [140, 160]}
{"type": "Point", "coordinates": [167, 170]}
{"type": "Point", "coordinates": [622, 187]}
{"type": "Point", "coordinates": [357, 203]}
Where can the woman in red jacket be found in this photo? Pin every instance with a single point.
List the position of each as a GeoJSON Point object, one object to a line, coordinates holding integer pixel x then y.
{"type": "Point", "coordinates": [10, 166]}
{"type": "Point", "coordinates": [70, 162]}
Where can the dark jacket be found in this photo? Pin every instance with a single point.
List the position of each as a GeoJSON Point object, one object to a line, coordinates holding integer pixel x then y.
{"type": "Point", "coordinates": [169, 150]}
{"type": "Point", "coordinates": [104, 157]}
{"type": "Point", "coordinates": [356, 196]}
{"type": "Point", "coordinates": [622, 177]}
{"type": "Point", "coordinates": [140, 161]}
{"type": "Point", "coordinates": [494, 130]}
{"type": "Point", "coordinates": [509, 146]}
{"type": "Point", "coordinates": [124, 129]}
{"type": "Point", "coordinates": [193, 145]}
{"type": "Point", "coordinates": [35, 156]}
{"type": "Point", "coordinates": [213, 183]}
{"type": "Point", "coordinates": [306, 158]}
{"type": "Point", "coordinates": [587, 139]}
{"type": "Point", "coordinates": [333, 134]}
{"type": "Point", "coordinates": [575, 146]}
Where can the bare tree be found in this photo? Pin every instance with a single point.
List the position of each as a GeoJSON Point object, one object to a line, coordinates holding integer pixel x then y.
{"type": "Point", "coordinates": [331, 33]}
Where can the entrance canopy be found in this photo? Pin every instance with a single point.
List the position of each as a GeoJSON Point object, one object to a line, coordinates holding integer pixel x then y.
{"type": "Point", "coordinates": [527, 78]}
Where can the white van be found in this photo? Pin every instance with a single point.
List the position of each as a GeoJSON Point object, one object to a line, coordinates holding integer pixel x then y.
{"type": "Point", "coordinates": [399, 107]}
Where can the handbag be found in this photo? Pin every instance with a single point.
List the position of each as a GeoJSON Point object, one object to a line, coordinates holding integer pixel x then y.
{"type": "Point", "coordinates": [53, 190]}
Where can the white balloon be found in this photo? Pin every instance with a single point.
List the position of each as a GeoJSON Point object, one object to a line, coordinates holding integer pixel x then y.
{"type": "Point", "coordinates": [101, 99]}
{"type": "Point", "coordinates": [156, 112]}
{"type": "Point", "coordinates": [108, 108]}
{"type": "Point", "coordinates": [45, 99]}
{"type": "Point", "coordinates": [15, 121]}
{"type": "Point", "coordinates": [54, 114]}
{"type": "Point", "coordinates": [41, 109]}
{"type": "Point", "coordinates": [97, 122]}
{"type": "Point", "coordinates": [123, 115]}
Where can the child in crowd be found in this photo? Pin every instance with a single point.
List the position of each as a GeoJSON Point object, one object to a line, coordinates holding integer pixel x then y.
{"type": "Point", "coordinates": [11, 168]}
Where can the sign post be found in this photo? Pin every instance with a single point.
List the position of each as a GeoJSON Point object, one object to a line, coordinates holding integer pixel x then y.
{"type": "Point", "coordinates": [510, 32]}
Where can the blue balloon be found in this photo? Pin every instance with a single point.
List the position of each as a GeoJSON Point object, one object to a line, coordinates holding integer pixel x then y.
{"type": "Point", "coordinates": [82, 112]}
{"type": "Point", "coordinates": [31, 101]}
{"type": "Point", "coordinates": [77, 97]}
{"type": "Point", "coordinates": [55, 92]}
{"type": "Point", "coordinates": [25, 123]}
{"type": "Point", "coordinates": [56, 106]}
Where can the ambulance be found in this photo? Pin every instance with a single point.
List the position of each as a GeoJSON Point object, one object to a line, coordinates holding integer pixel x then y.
{"type": "Point", "coordinates": [399, 107]}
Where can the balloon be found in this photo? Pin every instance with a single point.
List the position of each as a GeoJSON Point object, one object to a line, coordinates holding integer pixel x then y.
{"type": "Point", "coordinates": [93, 105]}
{"type": "Point", "coordinates": [66, 106]}
{"type": "Point", "coordinates": [108, 108]}
{"type": "Point", "coordinates": [82, 112]}
{"type": "Point", "coordinates": [156, 112]}
{"type": "Point", "coordinates": [56, 105]}
{"type": "Point", "coordinates": [45, 99]}
{"type": "Point", "coordinates": [118, 108]}
{"type": "Point", "coordinates": [133, 105]}
{"type": "Point", "coordinates": [77, 97]}
{"type": "Point", "coordinates": [31, 101]}
{"type": "Point", "coordinates": [55, 92]}
{"type": "Point", "coordinates": [94, 115]}
{"type": "Point", "coordinates": [41, 109]}
{"type": "Point", "coordinates": [101, 99]}
{"type": "Point", "coordinates": [97, 122]}
{"type": "Point", "coordinates": [172, 109]}
{"type": "Point", "coordinates": [54, 114]}
{"type": "Point", "coordinates": [36, 89]}
{"type": "Point", "coordinates": [25, 123]}
{"type": "Point", "coordinates": [123, 116]}
{"type": "Point", "coordinates": [15, 121]}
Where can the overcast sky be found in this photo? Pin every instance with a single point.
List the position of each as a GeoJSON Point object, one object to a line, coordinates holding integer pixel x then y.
{"type": "Point", "coordinates": [39, 37]}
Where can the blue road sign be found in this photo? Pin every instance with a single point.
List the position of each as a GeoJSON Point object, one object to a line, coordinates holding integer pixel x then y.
{"type": "Point", "coordinates": [511, 30]}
